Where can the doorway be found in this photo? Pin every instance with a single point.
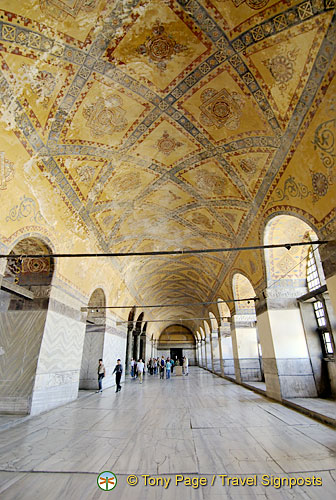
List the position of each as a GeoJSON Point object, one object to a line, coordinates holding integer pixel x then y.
{"type": "Point", "coordinates": [177, 352]}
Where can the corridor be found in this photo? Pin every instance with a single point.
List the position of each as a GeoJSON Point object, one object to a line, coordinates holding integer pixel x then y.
{"type": "Point", "coordinates": [196, 426]}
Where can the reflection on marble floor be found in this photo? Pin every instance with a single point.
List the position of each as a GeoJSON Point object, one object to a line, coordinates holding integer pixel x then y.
{"type": "Point", "coordinates": [196, 425]}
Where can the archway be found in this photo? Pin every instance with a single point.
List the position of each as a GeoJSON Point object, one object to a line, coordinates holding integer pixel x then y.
{"type": "Point", "coordinates": [295, 300]}
{"type": "Point", "coordinates": [177, 341]}
{"type": "Point", "coordinates": [25, 292]}
{"type": "Point", "coordinates": [245, 342]}
{"type": "Point", "coordinates": [94, 340]}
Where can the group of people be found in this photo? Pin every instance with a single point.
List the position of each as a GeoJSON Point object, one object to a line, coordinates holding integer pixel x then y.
{"type": "Point", "coordinates": [158, 366]}
{"type": "Point", "coordinates": [155, 366]}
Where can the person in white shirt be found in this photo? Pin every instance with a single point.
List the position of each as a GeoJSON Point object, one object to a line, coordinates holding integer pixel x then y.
{"type": "Point", "coordinates": [185, 365]}
{"type": "Point", "coordinates": [140, 368]}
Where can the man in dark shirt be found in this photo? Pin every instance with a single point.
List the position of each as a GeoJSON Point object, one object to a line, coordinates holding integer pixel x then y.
{"type": "Point", "coordinates": [118, 371]}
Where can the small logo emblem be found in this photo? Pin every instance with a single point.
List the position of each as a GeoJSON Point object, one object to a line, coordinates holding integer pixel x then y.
{"type": "Point", "coordinates": [107, 480]}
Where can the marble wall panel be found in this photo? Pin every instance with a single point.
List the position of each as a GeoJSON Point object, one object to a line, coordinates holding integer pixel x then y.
{"type": "Point", "coordinates": [58, 369]}
{"type": "Point", "coordinates": [114, 348]}
{"type": "Point", "coordinates": [92, 352]}
{"type": "Point", "coordinates": [20, 340]}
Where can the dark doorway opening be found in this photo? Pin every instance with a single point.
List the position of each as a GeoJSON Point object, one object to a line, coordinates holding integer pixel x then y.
{"type": "Point", "coordinates": [177, 352]}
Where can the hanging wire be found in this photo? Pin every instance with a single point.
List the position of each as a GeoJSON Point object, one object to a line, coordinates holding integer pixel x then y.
{"type": "Point", "coordinates": [164, 252]}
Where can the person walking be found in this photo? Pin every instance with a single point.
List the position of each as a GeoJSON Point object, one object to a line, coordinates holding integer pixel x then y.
{"type": "Point", "coordinates": [168, 367]}
{"type": "Point", "coordinates": [172, 366]}
{"type": "Point", "coordinates": [132, 367]}
{"type": "Point", "coordinates": [162, 367]}
{"type": "Point", "coordinates": [101, 374]}
{"type": "Point", "coordinates": [118, 371]}
{"type": "Point", "coordinates": [140, 368]}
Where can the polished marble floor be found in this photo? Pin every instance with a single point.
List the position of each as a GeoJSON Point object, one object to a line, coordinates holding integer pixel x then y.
{"type": "Point", "coordinates": [200, 425]}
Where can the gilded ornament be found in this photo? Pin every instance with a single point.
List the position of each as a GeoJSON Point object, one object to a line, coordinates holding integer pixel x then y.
{"type": "Point", "coordinates": [167, 144]}
{"type": "Point", "coordinates": [210, 182]}
{"type": "Point", "coordinates": [253, 4]}
{"type": "Point", "coordinates": [281, 68]}
{"type": "Point", "coordinates": [221, 109]}
{"type": "Point", "coordinates": [61, 9]}
{"type": "Point", "coordinates": [105, 116]}
{"type": "Point", "coordinates": [6, 171]}
{"type": "Point", "coordinates": [160, 47]}
{"type": "Point", "coordinates": [86, 173]}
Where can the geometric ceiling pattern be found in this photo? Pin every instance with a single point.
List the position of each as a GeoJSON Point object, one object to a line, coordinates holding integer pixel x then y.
{"type": "Point", "coordinates": [168, 125]}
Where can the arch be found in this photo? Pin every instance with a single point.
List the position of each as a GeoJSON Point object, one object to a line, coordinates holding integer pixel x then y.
{"type": "Point", "coordinates": [224, 310]}
{"type": "Point", "coordinates": [243, 289]}
{"type": "Point", "coordinates": [25, 292]}
{"type": "Point", "coordinates": [281, 263]}
{"type": "Point", "coordinates": [213, 322]}
{"type": "Point", "coordinates": [176, 341]}
{"type": "Point", "coordinates": [93, 345]}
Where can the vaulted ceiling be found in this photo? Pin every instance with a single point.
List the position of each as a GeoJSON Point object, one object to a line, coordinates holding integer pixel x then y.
{"type": "Point", "coordinates": [168, 125]}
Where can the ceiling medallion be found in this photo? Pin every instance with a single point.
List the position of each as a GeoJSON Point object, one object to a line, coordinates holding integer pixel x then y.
{"type": "Point", "coordinates": [221, 109]}
{"type": "Point", "coordinates": [160, 47]}
{"type": "Point", "coordinates": [281, 67]}
{"type": "Point", "coordinates": [210, 182]}
{"type": "Point", "coordinates": [60, 9]}
{"type": "Point", "coordinates": [42, 83]}
{"type": "Point", "coordinates": [6, 171]}
{"type": "Point", "coordinates": [248, 165]}
{"type": "Point", "coordinates": [105, 116]}
{"type": "Point", "coordinates": [86, 173]}
{"type": "Point", "coordinates": [167, 144]}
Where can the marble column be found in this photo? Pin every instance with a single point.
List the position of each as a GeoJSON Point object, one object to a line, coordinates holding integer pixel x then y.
{"type": "Point", "coordinates": [245, 348]}
{"type": "Point", "coordinates": [203, 347]}
{"type": "Point", "coordinates": [208, 359]}
{"type": "Point", "coordinates": [225, 343]}
{"type": "Point", "coordinates": [286, 362]}
{"type": "Point", "coordinates": [129, 349]}
{"type": "Point", "coordinates": [216, 358]}
{"type": "Point", "coordinates": [137, 336]}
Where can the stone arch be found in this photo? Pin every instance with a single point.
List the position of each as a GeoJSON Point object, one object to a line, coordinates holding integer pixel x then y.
{"type": "Point", "coordinates": [281, 263]}
{"type": "Point", "coordinates": [242, 289]}
{"type": "Point", "coordinates": [223, 309]}
{"type": "Point", "coordinates": [25, 292]}
{"type": "Point", "coordinates": [93, 340]}
{"type": "Point", "coordinates": [302, 341]}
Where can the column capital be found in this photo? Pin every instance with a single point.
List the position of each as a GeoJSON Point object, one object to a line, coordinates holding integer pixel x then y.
{"type": "Point", "coordinates": [281, 295]}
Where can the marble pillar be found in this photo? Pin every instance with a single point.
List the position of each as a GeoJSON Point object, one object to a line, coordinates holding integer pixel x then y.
{"type": "Point", "coordinates": [215, 350]}
{"type": "Point", "coordinates": [225, 343]}
{"type": "Point", "coordinates": [287, 366]}
{"type": "Point", "coordinates": [245, 348]}
{"type": "Point", "coordinates": [203, 347]}
{"type": "Point", "coordinates": [129, 349]}
{"type": "Point", "coordinates": [208, 359]}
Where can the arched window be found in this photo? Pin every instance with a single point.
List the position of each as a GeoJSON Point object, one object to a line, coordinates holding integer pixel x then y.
{"type": "Point", "coordinates": [313, 283]}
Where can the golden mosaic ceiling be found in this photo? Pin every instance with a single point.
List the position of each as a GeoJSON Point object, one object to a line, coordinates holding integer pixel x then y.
{"type": "Point", "coordinates": [166, 125]}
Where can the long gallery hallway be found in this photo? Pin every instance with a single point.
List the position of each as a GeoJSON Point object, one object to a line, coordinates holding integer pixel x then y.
{"type": "Point", "coordinates": [199, 425]}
